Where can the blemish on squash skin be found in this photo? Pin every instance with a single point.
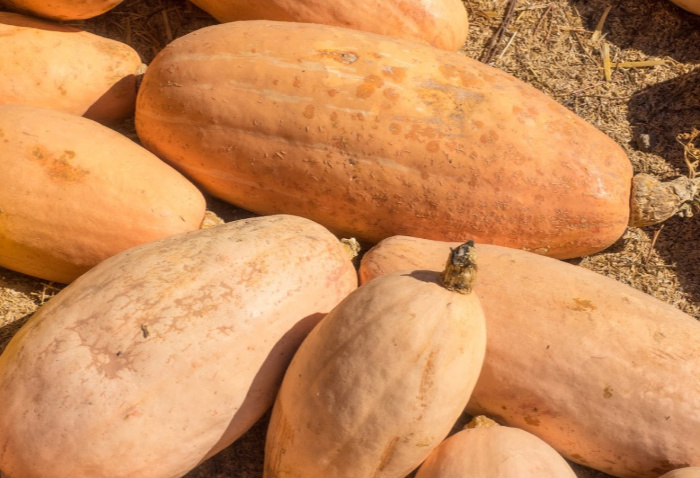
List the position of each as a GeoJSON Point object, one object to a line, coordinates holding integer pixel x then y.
{"type": "Point", "coordinates": [582, 305]}
{"type": "Point", "coordinates": [665, 466]}
{"type": "Point", "coordinates": [396, 73]}
{"type": "Point", "coordinates": [344, 57]}
{"type": "Point", "coordinates": [370, 85]}
{"type": "Point", "coordinates": [607, 392]}
{"type": "Point", "coordinates": [59, 168]}
{"type": "Point", "coordinates": [309, 111]}
{"type": "Point", "coordinates": [386, 456]}
{"type": "Point", "coordinates": [535, 422]}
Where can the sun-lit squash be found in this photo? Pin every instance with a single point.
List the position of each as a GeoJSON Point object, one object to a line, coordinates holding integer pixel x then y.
{"type": "Point", "coordinates": [607, 375]}
{"type": "Point", "coordinates": [163, 355]}
{"type": "Point", "coordinates": [442, 23]}
{"type": "Point", "coordinates": [381, 380]}
{"type": "Point", "coordinates": [374, 136]}
{"type": "Point", "coordinates": [60, 67]}
{"type": "Point", "coordinates": [74, 192]}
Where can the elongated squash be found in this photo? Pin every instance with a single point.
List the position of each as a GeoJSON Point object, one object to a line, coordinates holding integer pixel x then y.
{"type": "Point", "coordinates": [60, 67]}
{"type": "Point", "coordinates": [374, 136]}
{"type": "Point", "coordinates": [484, 449]}
{"type": "Point", "coordinates": [63, 9]}
{"type": "Point", "coordinates": [442, 23]}
{"type": "Point", "coordinates": [379, 382]}
{"type": "Point", "coordinates": [74, 192]}
{"type": "Point", "coordinates": [163, 355]}
{"type": "Point", "coordinates": [607, 375]}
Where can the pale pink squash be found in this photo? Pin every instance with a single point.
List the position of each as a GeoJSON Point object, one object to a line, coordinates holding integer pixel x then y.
{"type": "Point", "coordinates": [163, 355]}
{"type": "Point", "coordinates": [484, 449]}
{"type": "Point", "coordinates": [605, 374]}
{"type": "Point", "coordinates": [380, 381]}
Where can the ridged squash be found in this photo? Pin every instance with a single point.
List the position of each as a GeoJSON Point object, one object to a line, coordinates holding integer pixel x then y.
{"type": "Point", "coordinates": [374, 136]}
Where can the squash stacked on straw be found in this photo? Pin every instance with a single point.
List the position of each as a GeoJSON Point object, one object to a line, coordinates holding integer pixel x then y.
{"type": "Point", "coordinates": [327, 121]}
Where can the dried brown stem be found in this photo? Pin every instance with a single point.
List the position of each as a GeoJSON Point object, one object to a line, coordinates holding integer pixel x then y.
{"type": "Point", "coordinates": [653, 201]}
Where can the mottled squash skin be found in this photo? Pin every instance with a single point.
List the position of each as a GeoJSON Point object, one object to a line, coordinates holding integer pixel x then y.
{"type": "Point", "coordinates": [442, 23]}
{"type": "Point", "coordinates": [62, 9]}
{"type": "Point", "coordinates": [56, 66]}
{"type": "Point", "coordinates": [74, 192]}
{"type": "Point", "coordinates": [165, 354]}
{"type": "Point", "coordinates": [374, 136]}
{"type": "Point", "coordinates": [607, 375]}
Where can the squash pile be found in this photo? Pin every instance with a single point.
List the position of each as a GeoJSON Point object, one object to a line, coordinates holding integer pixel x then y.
{"type": "Point", "coordinates": [466, 185]}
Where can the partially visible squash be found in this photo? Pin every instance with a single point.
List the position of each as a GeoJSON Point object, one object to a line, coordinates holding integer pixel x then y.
{"type": "Point", "coordinates": [687, 472]}
{"type": "Point", "coordinates": [693, 6]}
{"type": "Point", "coordinates": [380, 381]}
{"type": "Point", "coordinates": [442, 23]}
{"type": "Point", "coordinates": [63, 9]}
{"type": "Point", "coordinates": [60, 67]}
{"type": "Point", "coordinates": [484, 449]}
{"type": "Point", "coordinates": [374, 136]}
{"type": "Point", "coordinates": [607, 375]}
{"type": "Point", "coordinates": [74, 192]}
{"type": "Point", "coordinates": [163, 355]}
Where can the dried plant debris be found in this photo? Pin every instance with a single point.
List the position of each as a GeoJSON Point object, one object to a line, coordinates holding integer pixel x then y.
{"type": "Point", "coordinates": [630, 68]}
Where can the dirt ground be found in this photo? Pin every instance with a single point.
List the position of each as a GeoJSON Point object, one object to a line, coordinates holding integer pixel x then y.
{"type": "Point", "coordinates": [648, 100]}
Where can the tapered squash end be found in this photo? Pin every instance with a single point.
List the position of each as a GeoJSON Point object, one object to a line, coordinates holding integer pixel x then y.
{"type": "Point", "coordinates": [460, 272]}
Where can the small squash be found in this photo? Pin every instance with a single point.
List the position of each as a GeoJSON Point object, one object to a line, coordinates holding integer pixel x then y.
{"type": "Point", "coordinates": [62, 9]}
{"type": "Point", "coordinates": [163, 355]}
{"type": "Point", "coordinates": [374, 136]}
{"type": "Point", "coordinates": [60, 67]}
{"type": "Point", "coordinates": [74, 192]}
{"type": "Point", "coordinates": [379, 382]}
{"type": "Point", "coordinates": [484, 449]}
{"type": "Point", "coordinates": [605, 374]}
{"type": "Point", "coordinates": [442, 23]}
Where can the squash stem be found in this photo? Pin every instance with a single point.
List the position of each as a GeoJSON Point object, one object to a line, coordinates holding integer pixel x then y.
{"type": "Point", "coordinates": [653, 201]}
{"type": "Point", "coordinates": [460, 272]}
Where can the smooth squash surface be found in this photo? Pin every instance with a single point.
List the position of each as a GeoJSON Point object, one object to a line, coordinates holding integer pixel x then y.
{"type": "Point", "coordinates": [442, 23]}
{"type": "Point", "coordinates": [607, 375]}
{"type": "Point", "coordinates": [63, 9]}
{"type": "Point", "coordinates": [56, 66]}
{"type": "Point", "coordinates": [379, 382]}
{"type": "Point", "coordinates": [494, 451]}
{"type": "Point", "coordinates": [373, 136]}
{"type": "Point", "coordinates": [165, 354]}
{"type": "Point", "coordinates": [74, 192]}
